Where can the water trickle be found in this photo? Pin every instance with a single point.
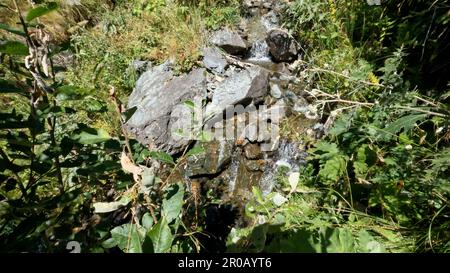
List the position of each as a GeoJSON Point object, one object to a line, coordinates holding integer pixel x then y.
{"type": "Point", "coordinates": [289, 155]}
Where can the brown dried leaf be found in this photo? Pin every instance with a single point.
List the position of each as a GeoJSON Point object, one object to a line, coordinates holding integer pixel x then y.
{"type": "Point", "coordinates": [128, 166]}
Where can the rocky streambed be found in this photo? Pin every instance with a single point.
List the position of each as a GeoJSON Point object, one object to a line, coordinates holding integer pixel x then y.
{"type": "Point", "coordinates": [232, 108]}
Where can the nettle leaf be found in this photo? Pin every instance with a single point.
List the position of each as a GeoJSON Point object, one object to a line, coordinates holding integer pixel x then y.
{"type": "Point", "coordinates": [162, 156]}
{"type": "Point", "coordinates": [161, 236]}
{"type": "Point", "coordinates": [406, 122]}
{"type": "Point", "coordinates": [171, 207]}
{"type": "Point", "coordinates": [333, 168]}
{"type": "Point", "coordinates": [41, 11]}
{"type": "Point", "coordinates": [324, 149]}
{"type": "Point", "coordinates": [13, 48]}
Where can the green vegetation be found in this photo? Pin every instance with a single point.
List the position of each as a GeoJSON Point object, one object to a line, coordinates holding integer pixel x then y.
{"type": "Point", "coordinates": [378, 181]}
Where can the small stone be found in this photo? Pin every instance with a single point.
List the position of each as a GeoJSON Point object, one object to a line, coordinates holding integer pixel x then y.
{"type": "Point", "coordinates": [252, 151]}
{"type": "Point", "coordinates": [275, 91]}
{"type": "Point", "coordinates": [213, 60]}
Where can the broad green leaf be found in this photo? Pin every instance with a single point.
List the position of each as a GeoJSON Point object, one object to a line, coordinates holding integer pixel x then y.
{"type": "Point", "coordinates": [12, 30]}
{"type": "Point", "coordinates": [171, 207]}
{"type": "Point", "coordinates": [162, 156]}
{"type": "Point", "coordinates": [368, 244]}
{"type": "Point", "coordinates": [13, 48]}
{"type": "Point", "coordinates": [406, 122]}
{"type": "Point", "coordinates": [41, 11]}
{"type": "Point", "coordinates": [128, 237]}
{"type": "Point", "coordinates": [147, 221]}
{"type": "Point", "coordinates": [161, 236]}
{"type": "Point", "coordinates": [99, 135]}
{"type": "Point", "coordinates": [338, 240]}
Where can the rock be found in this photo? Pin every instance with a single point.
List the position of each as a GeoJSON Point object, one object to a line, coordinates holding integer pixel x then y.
{"type": "Point", "coordinates": [282, 46]}
{"type": "Point", "coordinates": [159, 97]}
{"type": "Point", "coordinates": [255, 165]}
{"type": "Point", "coordinates": [216, 155]}
{"type": "Point", "coordinates": [229, 41]}
{"type": "Point", "coordinates": [213, 60]}
{"type": "Point", "coordinates": [252, 151]}
{"type": "Point", "coordinates": [140, 66]}
{"type": "Point", "coordinates": [243, 86]}
{"type": "Point", "coordinates": [275, 91]}
{"type": "Point", "coordinates": [270, 20]}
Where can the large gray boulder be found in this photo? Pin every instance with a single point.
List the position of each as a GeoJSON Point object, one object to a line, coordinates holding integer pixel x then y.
{"type": "Point", "coordinates": [160, 100]}
{"type": "Point", "coordinates": [282, 46]}
{"type": "Point", "coordinates": [243, 87]}
{"type": "Point", "coordinates": [229, 41]}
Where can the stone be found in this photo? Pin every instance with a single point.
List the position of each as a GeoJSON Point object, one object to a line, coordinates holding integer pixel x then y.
{"type": "Point", "coordinates": [159, 98]}
{"type": "Point", "coordinates": [216, 155]}
{"type": "Point", "coordinates": [275, 91]}
{"type": "Point", "coordinates": [253, 151]}
{"type": "Point", "coordinates": [213, 60]}
{"type": "Point", "coordinates": [229, 41]}
{"type": "Point", "coordinates": [255, 165]}
{"type": "Point", "coordinates": [241, 87]}
{"type": "Point", "coordinates": [282, 46]}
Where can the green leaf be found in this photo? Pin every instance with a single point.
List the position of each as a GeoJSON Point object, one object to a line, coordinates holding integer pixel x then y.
{"type": "Point", "coordinates": [258, 194]}
{"type": "Point", "coordinates": [339, 240]}
{"type": "Point", "coordinates": [12, 30]}
{"type": "Point", "coordinates": [189, 104]}
{"type": "Point", "coordinates": [161, 236]}
{"type": "Point", "coordinates": [13, 48]}
{"type": "Point", "coordinates": [333, 168]}
{"type": "Point", "coordinates": [406, 122]}
{"type": "Point", "coordinates": [128, 238]}
{"type": "Point", "coordinates": [368, 244]}
{"type": "Point", "coordinates": [162, 156]}
{"type": "Point", "coordinates": [69, 92]}
{"type": "Point", "coordinates": [147, 221]}
{"type": "Point", "coordinates": [171, 207]}
{"type": "Point", "coordinates": [41, 11]}
{"type": "Point", "coordinates": [196, 151]}
{"type": "Point", "coordinates": [92, 136]}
